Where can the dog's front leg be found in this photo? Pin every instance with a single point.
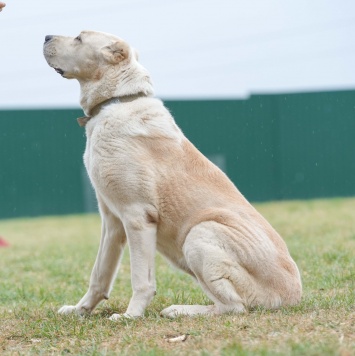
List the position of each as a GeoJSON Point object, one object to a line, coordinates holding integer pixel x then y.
{"type": "Point", "coordinates": [141, 236]}
{"type": "Point", "coordinates": [113, 240]}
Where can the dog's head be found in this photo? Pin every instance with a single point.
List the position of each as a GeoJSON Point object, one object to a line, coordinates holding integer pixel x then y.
{"type": "Point", "coordinates": [105, 65]}
{"type": "Point", "coordinates": [83, 56]}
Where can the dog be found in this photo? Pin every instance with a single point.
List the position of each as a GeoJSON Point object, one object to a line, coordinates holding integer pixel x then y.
{"type": "Point", "coordinates": [156, 191]}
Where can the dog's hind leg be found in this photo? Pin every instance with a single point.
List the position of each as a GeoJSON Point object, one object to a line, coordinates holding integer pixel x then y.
{"type": "Point", "coordinates": [208, 259]}
{"type": "Point", "coordinates": [113, 240]}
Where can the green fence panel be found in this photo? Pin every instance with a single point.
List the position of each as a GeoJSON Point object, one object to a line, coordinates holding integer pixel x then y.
{"type": "Point", "coordinates": [317, 144]}
{"type": "Point", "coordinates": [40, 163]}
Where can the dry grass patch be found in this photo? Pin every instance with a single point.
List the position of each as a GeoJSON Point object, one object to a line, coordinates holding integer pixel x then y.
{"type": "Point", "coordinates": [49, 263]}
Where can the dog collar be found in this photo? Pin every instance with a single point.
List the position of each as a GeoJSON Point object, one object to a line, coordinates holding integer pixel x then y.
{"type": "Point", "coordinates": [82, 121]}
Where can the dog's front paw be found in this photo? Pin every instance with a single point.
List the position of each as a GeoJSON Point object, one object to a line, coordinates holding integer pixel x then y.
{"type": "Point", "coordinates": [69, 309]}
{"type": "Point", "coordinates": [115, 317]}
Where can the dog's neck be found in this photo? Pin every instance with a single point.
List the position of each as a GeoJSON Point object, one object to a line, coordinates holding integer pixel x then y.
{"type": "Point", "coordinates": [82, 121]}
{"type": "Point", "coordinates": [121, 82]}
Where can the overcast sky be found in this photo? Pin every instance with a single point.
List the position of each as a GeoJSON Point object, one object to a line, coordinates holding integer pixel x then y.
{"type": "Point", "coordinates": [192, 48]}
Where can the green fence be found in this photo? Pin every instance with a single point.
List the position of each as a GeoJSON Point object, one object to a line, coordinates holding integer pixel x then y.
{"type": "Point", "coordinates": [273, 147]}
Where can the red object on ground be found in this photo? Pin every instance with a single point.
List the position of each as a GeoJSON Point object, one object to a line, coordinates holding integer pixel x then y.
{"type": "Point", "coordinates": [3, 243]}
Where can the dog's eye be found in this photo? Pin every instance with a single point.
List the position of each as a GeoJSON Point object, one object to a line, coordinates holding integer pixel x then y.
{"type": "Point", "coordinates": [78, 38]}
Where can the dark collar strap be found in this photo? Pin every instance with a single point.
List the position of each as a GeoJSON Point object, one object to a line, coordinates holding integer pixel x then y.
{"type": "Point", "coordinates": [82, 121]}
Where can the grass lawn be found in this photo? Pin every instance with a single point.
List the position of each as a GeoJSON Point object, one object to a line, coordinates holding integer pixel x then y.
{"type": "Point", "coordinates": [49, 262]}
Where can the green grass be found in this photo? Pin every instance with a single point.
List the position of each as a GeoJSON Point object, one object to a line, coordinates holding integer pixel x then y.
{"type": "Point", "coordinates": [49, 262]}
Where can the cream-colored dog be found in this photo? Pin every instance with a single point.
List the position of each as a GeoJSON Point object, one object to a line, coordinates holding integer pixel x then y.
{"type": "Point", "coordinates": [155, 190]}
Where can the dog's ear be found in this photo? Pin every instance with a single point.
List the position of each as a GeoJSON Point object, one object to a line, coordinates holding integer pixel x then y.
{"type": "Point", "coordinates": [116, 52]}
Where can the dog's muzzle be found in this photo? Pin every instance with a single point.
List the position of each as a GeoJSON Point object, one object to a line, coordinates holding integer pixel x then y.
{"type": "Point", "coordinates": [49, 51]}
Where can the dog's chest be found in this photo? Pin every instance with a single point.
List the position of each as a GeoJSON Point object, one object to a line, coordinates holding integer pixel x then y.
{"type": "Point", "coordinates": [116, 165]}
{"type": "Point", "coordinates": [119, 150]}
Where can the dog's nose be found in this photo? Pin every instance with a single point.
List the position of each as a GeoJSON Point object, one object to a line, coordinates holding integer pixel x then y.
{"type": "Point", "coordinates": [48, 38]}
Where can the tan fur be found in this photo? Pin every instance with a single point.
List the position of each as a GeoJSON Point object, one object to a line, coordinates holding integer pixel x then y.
{"type": "Point", "coordinates": [156, 190]}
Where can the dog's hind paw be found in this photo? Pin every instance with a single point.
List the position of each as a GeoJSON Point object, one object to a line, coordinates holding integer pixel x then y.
{"type": "Point", "coordinates": [115, 317]}
{"type": "Point", "coordinates": [176, 310]}
{"type": "Point", "coordinates": [68, 309]}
